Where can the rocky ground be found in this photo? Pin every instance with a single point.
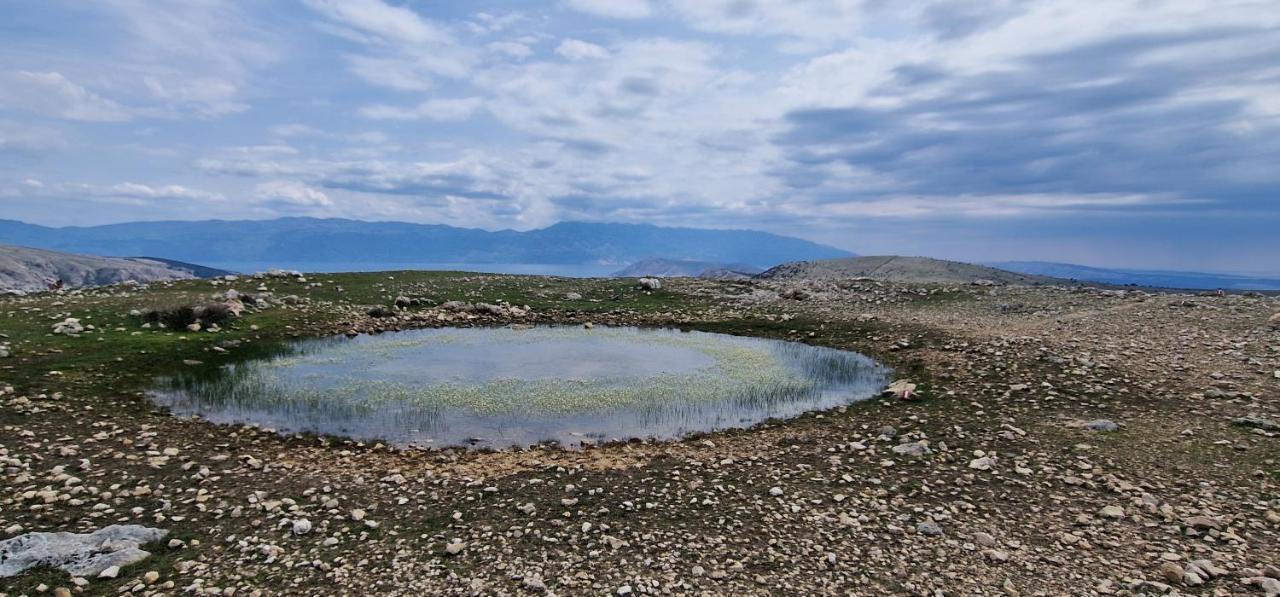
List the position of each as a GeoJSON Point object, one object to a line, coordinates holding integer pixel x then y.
{"type": "Point", "coordinates": [1061, 441]}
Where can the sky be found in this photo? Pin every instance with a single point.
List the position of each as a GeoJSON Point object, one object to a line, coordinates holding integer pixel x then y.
{"type": "Point", "coordinates": [1135, 133]}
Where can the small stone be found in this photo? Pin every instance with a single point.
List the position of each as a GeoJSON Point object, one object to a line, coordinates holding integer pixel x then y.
{"type": "Point", "coordinates": [775, 491]}
{"type": "Point", "coordinates": [1171, 572]}
{"type": "Point", "coordinates": [929, 528]}
{"type": "Point", "coordinates": [455, 548]}
{"type": "Point", "coordinates": [982, 464]}
{"type": "Point", "coordinates": [301, 526]}
{"type": "Point", "coordinates": [995, 555]}
{"type": "Point", "coordinates": [109, 572]}
{"type": "Point", "coordinates": [1111, 512]}
{"type": "Point", "coordinates": [912, 449]}
{"type": "Point", "coordinates": [1102, 425]}
{"type": "Point", "coordinates": [151, 577]}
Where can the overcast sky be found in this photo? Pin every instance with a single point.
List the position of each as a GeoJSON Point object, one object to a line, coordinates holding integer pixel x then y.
{"type": "Point", "coordinates": [1126, 132]}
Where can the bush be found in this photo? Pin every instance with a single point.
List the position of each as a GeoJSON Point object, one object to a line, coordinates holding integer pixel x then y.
{"type": "Point", "coordinates": [181, 316]}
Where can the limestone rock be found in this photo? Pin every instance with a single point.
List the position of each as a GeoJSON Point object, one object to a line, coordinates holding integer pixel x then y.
{"type": "Point", "coordinates": [79, 554]}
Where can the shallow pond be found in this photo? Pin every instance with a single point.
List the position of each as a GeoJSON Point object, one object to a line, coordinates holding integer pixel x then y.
{"type": "Point", "coordinates": [502, 387]}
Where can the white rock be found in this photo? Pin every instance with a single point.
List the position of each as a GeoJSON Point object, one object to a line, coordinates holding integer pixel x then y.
{"type": "Point", "coordinates": [1111, 512]}
{"type": "Point", "coordinates": [301, 526]}
{"type": "Point", "coordinates": [79, 554]}
{"type": "Point", "coordinates": [981, 464]}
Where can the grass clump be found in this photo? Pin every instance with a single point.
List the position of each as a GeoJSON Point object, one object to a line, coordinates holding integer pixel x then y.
{"type": "Point", "coordinates": [181, 316]}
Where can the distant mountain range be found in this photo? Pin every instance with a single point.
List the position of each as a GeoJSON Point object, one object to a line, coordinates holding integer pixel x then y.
{"type": "Point", "coordinates": [308, 240]}
{"type": "Point", "coordinates": [675, 268]}
{"type": "Point", "coordinates": [24, 269]}
{"type": "Point", "coordinates": [1154, 278]}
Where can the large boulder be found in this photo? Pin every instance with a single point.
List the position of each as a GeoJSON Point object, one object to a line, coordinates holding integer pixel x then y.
{"type": "Point", "coordinates": [650, 283]}
{"type": "Point", "coordinates": [68, 327]}
{"type": "Point", "coordinates": [1275, 321]}
{"type": "Point", "coordinates": [78, 554]}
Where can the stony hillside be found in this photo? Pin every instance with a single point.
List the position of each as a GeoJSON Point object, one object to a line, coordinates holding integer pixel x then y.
{"type": "Point", "coordinates": [918, 270]}
{"type": "Point", "coordinates": [30, 270]}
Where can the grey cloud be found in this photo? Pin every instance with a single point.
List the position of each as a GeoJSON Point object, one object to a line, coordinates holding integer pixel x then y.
{"type": "Point", "coordinates": [1067, 122]}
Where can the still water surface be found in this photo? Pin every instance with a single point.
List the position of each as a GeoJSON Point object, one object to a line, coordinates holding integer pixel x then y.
{"type": "Point", "coordinates": [501, 387]}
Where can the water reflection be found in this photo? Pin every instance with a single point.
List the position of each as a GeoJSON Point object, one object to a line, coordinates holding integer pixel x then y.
{"type": "Point", "coordinates": [501, 387]}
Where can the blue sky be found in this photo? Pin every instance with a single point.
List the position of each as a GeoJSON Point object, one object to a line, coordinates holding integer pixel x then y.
{"type": "Point", "coordinates": [1140, 133]}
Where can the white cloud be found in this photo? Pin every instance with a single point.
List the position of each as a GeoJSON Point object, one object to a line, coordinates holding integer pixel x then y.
{"type": "Point", "coordinates": [179, 58]}
{"type": "Point", "coordinates": [143, 191]}
{"type": "Point", "coordinates": [291, 192]}
{"type": "Point", "coordinates": [575, 49]}
{"type": "Point", "coordinates": [51, 94]}
{"type": "Point", "coordinates": [983, 206]}
{"type": "Point", "coordinates": [29, 140]}
{"type": "Point", "coordinates": [813, 22]}
{"type": "Point", "coordinates": [125, 193]}
{"type": "Point", "coordinates": [404, 50]}
{"type": "Point", "coordinates": [513, 49]}
{"type": "Point", "coordinates": [395, 24]}
{"type": "Point", "coordinates": [436, 109]}
{"type": "Point", "coordinates": [617, 9]}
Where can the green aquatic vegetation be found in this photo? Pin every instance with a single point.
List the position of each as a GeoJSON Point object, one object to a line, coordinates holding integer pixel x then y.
{"type": "Point", "coordinates": [654, 378]}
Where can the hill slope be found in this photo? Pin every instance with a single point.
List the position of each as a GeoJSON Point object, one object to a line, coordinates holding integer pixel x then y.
{"type": "Point", "coordinates": [331, 240]}
{"type": "Point", "coordinates": [900, 269]}
{"type": "Point", "coordinates": [675, 268]}
{"type": "Point", "coordinates": [30, 270]}
{"type": "Point", "coordinates": [1153, 278]}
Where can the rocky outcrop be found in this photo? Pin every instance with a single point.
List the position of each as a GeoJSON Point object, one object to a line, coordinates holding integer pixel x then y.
{"type": "Point", "coordinates": [33, 270]}
{"type": "Point", "coordinates": [911, 270]}
{"type": "Point", "coordinates": [83, 555]}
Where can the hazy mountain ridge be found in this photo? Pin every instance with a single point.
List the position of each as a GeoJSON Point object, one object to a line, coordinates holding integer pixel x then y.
{"type": "Point", "coordinates": [674, 268]}
{"type": "Point", "coordinates": [24, 269]}
{"type": "Point", "coordinates": [890, 268]}
{"type": "Point", "coordinates": [330, 240]}
{"type": "Point", "coordinates": [1152, 278]}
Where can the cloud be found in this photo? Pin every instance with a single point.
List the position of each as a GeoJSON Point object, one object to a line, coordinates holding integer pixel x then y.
{"type": "Point", "coordinates": [377, 19]}
{"type": "Point", "coordinates": [513, 49]}
{"type": "Point", "coordinates": [291, 193]}
{"type": "Point", "coordinates": [805, 24]}
{"type": "Point", "coordinates": [1062, 122]}
{"type": "Point", "coordinates": [814, 117]}
{"type": "Point", "coordinates": [143, 191]}
{"type": "Point", "coordinates": [616, 9]}
{"type": "Point", "coordinates": [52, 94]}
{"type": "Point", "coordinates": [18, 138]}
{"type": "Point", "coordinates": [403, 50]}
{"type": "Point", "coordinates": [124, 193]}
{"type": "Point", "coordinates": [574, 49]}
{"type": "Point", "coordinates": [185, 58]}
{"type": "Point", "coordinates": [436, 109]}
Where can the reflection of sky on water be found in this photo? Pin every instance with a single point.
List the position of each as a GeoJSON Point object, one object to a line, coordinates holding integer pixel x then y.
{"type": "Point", "coordinates": [501, 387]}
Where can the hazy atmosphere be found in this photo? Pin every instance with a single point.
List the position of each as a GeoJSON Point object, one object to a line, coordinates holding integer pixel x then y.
{"type": "Point", "coordinates": [1130, 133]}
